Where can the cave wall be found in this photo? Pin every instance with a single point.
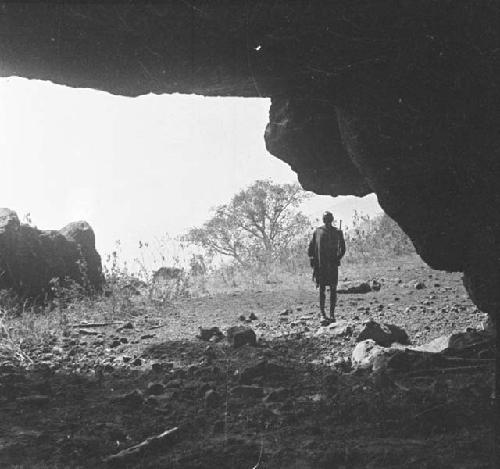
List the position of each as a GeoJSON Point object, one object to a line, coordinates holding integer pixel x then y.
{"type": "Point", "coordinates": [400, 98]}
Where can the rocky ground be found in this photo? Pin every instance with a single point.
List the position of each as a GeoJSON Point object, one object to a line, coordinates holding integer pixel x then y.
{"type": "Point", "coordinates": [79, 395]}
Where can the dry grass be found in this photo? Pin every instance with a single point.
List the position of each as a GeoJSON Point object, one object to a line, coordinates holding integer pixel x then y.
{"type": "Point", "coordinates": [125, 299]}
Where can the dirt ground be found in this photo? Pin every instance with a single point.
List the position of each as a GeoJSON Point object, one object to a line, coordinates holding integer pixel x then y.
{"type": "Point", "coordinates": [284, 403]}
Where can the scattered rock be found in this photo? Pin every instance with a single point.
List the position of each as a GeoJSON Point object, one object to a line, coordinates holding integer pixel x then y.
{"type": "Point", "coordinates": [115, 343]}
{"type": "Point", "coordinates": [126, 358]}
{"type": "Point", "coordinates": [87, 332]}
{"type": "Point", "coordinates": [437, 345]}
{"type": "Point", "coordinates": [132, 399]}
{"type": "Point", "coordinates": [318, 397]}
{"type": "Point", "coordinates": [419, 285]}
{"type": "Point", "coordinates": [360, 288]}
{"type": "Point", "coordinates": [245, 390]}
{"type": "Point", "coordinates": [209, 353]}
{"type": "Point", "coordinates": [489, 327]}
{"type": "Point", "coordinates": [365, 352]}
{"type": "Point", "coordinates": [268, 370]}
{"type": "Point", "coordinates": [383, 334]}
{"type": "Point", "coordinates": [210, 333]}
{"type": "Point", "coordinates": [462, 340]}
{"type": "Point", "coordinates": [153, 401]}
{"type": "Point", "coordinates": [287, 311]}
{"type": "Point", "coordinates": [343, 364]}
{"type": "Point", "coordinates": [147, 336]}
{"type": "Point", "coordinates": [458, 343]}
{"type": "Point", "coordinates": [192, 387]}
{"type": "Point", "coordinates": [173, 383]}
{"type": "Point", "coordinates": [242, 317]}
{"type": "Point", "coordinates": [57, 350]}
{"type": "Point", "coordinates": [336, 329]}
{"type": "Point", "coordinates": [158, 367]}
{"type": "Point", "coordinates": [123, 340]}
{"type": "Point", "coordinates": [241, 335]}
{"type": "Point", "coordinates": [155, 389]}
{"type": "Point", "coordinates": [137, 362]}
{"type": "Point", "coordinates": [252, 317]}
{"type": "Point", "coordinates": [375, 285]}
{"type": "Point", "coordinates": [392, 358]}
{"type": "Point", "coordinates": [212, 398]}
{"type": "Point", "coordinates": [307, 317]}
{"type": "Point", "coordinates": [404, 360]}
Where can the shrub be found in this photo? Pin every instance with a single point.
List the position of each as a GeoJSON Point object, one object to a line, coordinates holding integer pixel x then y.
{"type": "Point", "coordinates": [375, 238]}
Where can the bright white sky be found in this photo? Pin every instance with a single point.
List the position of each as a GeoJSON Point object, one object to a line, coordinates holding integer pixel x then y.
{"type": "Point", "coordinates": [134, 168]}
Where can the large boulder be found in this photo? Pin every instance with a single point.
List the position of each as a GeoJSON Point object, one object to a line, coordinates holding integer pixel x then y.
{"type": "Point", "coordinates": [468, 344]}
{"type": "Point", "coordinates": [440, 352]}
{"type": "Point", "coordinates": [383, 334]}
{"type": "Point", "coordinates": [365, 353]}
{"type": "Point", "coordinates": [241, 335]}
{"type": "Point", "coordinates": [31, 258]}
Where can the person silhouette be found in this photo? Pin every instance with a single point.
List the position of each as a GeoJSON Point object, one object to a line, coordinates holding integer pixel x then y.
{"type": "Point", "coordinates": [326, 249]}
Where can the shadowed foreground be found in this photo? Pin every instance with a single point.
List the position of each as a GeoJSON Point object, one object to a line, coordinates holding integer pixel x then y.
{"type": "Point", "coordinates": [94, 391]}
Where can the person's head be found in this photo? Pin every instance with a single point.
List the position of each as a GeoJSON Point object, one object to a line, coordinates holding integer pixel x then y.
{"type": "Point", "coordinates": [327, 218]}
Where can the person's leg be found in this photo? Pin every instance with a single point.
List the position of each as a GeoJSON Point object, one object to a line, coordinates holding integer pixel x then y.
{"type": "Point", "coordinates": [333, 294]}
{"type": "Point", "coordinates": [322, 299]}
{"type": "Point", "coordinates": [333, 301]}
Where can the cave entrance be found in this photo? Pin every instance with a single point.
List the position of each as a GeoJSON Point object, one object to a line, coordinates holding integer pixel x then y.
{"type": "Point", "coordinates": [136, 168]}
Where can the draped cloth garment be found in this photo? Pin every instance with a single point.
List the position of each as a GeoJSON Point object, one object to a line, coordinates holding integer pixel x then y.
{"type": "Point", "coordinates": [326, 249]}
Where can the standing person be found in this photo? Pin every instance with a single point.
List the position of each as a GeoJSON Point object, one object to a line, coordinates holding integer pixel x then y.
{"type": "Point", "coordinates": [326, 249]}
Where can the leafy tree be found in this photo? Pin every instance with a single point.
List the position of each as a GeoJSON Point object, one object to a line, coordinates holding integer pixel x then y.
{"type": "Point", "coordinates": [258, 224]}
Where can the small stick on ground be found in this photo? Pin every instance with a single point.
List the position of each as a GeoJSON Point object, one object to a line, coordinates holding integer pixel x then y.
{"type": "Point", "coordinates": [118, 459]}
{"type": "Point", "coordinates": [98, 324]}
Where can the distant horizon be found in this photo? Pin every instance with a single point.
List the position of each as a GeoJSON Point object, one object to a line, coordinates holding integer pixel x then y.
{"type": "Point", "coordinates": [149, 251]}
{"type": "Point", "coordinates": [135, 168]}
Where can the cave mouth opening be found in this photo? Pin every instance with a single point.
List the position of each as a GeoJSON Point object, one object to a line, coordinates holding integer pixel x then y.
{"type": "Point", "coordinates": [136, 168]}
